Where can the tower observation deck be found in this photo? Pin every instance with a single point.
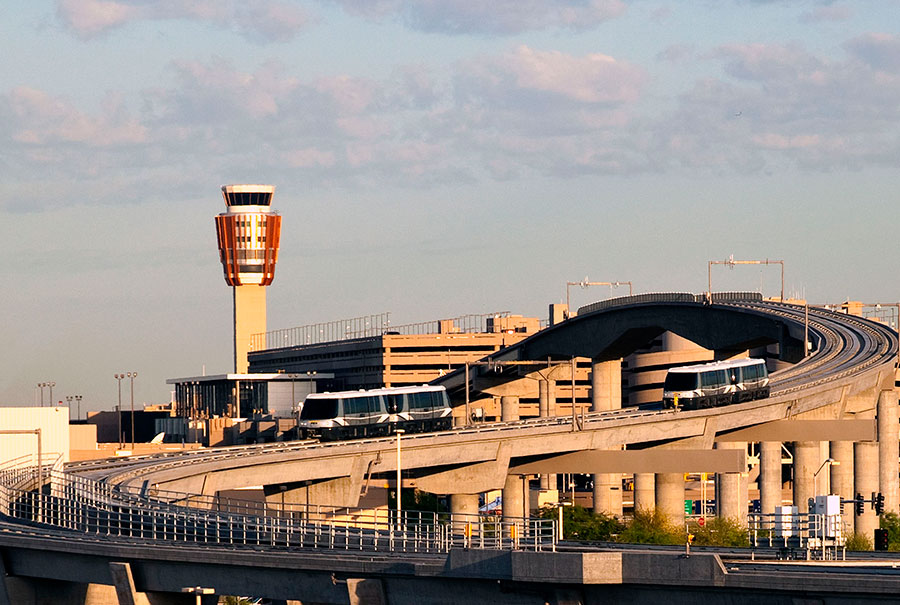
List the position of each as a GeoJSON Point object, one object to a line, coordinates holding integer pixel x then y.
{"type": "Point", "coordinates": [248, 234]}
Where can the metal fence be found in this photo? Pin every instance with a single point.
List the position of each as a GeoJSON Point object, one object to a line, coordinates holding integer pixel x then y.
{"type": "Point", "coordinates": [366, 327]}
{"type": "Point", "coordinates": [78, 504]}
{"type": "Point", "coordinates": [817, 535]}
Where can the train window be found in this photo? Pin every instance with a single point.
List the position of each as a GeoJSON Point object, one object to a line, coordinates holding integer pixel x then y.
{"type": "Point", "coordinates": [319, 409]}
{"type": "Point", "coordinates": [353, 406]}
{"type": "Point", "coordinates": [680, 381]}
{"type": "Point", "coordinates": [418, 401]}
{"type": "Point", "coordinates": [394, 403]}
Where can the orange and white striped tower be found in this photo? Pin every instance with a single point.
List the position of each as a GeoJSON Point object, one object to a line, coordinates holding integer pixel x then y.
{"type": "Point", "coordinates": [249, 232]}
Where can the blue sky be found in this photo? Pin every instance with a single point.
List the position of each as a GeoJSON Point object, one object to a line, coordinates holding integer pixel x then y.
{"type": "Point", "coordinates": [431, 158]}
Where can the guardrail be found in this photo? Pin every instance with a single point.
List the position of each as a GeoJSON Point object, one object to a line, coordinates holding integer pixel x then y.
{"type": "Point", "coordinates": [820, 536]}
{"type": "Point", "coordinates": [79, 504]}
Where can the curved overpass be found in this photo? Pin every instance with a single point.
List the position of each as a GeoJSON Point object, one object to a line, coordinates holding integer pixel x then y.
{"type": "Point", "coordinates": [851, 356]}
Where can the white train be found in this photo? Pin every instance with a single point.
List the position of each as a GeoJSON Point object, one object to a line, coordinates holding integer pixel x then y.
{"type": "Point", "coordinates": [714, 384]}
{"type": "Point", "coordinates": [352, 414]}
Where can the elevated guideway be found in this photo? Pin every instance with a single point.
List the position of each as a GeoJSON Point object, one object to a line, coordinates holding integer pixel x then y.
{"type": "Point", "coordinates": [849, 356]}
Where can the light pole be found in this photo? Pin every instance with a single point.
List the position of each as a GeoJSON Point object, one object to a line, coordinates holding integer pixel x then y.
{"type": "Point", "coordinates": [119, 378]}
{"type": "Point", "coordinates": [51, 385]}
{"type": "Point", "coordinates": [399, 478]}
{"type": "Point", "coordinates": [828, 461]}
{"type": "Point", "coordinates": [585, 283]}
{"type": "Point", "coordinates": [69, 403]}
{"type": "Point", "coordinates": [41, 387]}
{"type": "Point", "coordinates": [78, 407]}
{"type": "Point", "coordinates": [198, 591]}
{"type": "Point", "coordinates": [132, 376]}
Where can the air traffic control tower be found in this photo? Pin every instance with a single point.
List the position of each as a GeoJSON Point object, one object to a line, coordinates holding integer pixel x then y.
{"type": "Point", "coordinates": [248, 232]}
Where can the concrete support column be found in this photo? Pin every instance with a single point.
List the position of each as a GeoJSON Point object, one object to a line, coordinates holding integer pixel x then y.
{"type": "Point", "coordinates": [606, 385]}
{"type": "Point", "coordinates": [509, 408]}
{"type": "Point", "coordinates": [464, 504]}
{"type": "Point", "coordinates": [769, 476]}
{"type": "Point", "coordinates": [865, 481]}
{"type": "Point", "coordinates": [888, 453]}
{"type": "Point", "coordinates": [547, 402]}
{"type": "Point", "coordinates": [644, 491]}
{"type": "Point", "coordinates": [515, 504]}
{"type": "Point", "coordinates": [608, 494]}
{"type": "Point", "coordinates": [842, 479]}
{"type": "Point", "coordinates": [807, 456]}
{"type": "Point", "coordinates": [731, 489]}
{"type": "Point", "coordinates": [670, 496]}
{"type": "Point", "coordinates": [606, 394]}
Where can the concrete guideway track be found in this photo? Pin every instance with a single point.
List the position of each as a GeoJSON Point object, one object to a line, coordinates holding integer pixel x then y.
{"type": "Point", "coordinates": [851, 355]}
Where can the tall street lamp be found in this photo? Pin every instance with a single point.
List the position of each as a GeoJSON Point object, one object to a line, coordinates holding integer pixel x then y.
{"type": "Point", "coordinates": [41, 387]}
{"type": "Point", "coordinates": [51, 385]}
{"type": "Point", "coordinates": [69, 403]}
{"type": "Point", "coordinates": [78, 407]}
{"type": "Point", "coordinates": [828, 462]}
{"type": "Point", "coordinates": [132, 376]}
{"type": "Point", "coordinates": [119, 378]}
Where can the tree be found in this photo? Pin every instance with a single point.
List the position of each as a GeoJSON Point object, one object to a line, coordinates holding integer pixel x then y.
{"type": "Point", "coordinates": [581, 524]}
{"type": "Point", "coordinates": [651, 527]}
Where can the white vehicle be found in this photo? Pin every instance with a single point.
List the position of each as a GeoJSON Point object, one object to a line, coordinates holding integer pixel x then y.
{"type": "Point", "coordinates": [350, 414]}
{"type": "Point", "coordinates": [714, 384]}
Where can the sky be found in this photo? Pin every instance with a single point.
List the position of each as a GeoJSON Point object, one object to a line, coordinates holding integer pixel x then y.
{"type": "Point", "coordinates": [431, 158]}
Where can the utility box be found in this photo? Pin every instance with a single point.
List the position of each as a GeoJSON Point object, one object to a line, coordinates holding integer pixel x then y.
{"type": "Point", "coordinates": [829, 507]}
{"type": "Point", "coordinates": [787, 521]}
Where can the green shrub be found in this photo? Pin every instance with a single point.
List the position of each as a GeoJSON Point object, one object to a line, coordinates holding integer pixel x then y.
{"type": "Point", "coordinates": [717, 531]}
{"type": "Point", "coordinates": [891, 522]}
{"type": "Point", "coordinates": [858, 542]}
{"type": "Point", "coordinates": [581, 524]}
{"type": "Point", "coordinates": [651, 527]}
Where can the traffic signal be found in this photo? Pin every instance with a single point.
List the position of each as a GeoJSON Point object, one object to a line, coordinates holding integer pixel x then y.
{"type": "Point", "coordinates": [859, 504]}
{"type": "Point", "coordinates": [881, 539]}
{"type": "Point", "coordinates": [879, 503]}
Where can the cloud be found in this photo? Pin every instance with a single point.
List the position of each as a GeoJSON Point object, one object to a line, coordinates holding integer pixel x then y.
{"type": "Point", "coordinates": [759, 108]}
{"type": "Point", "coordinates": [593, 78]}
{"type": "Point", "coordinates": [258, 20]}
{"type": "Point", "coordinates": [878, 51]}
{"type": "Point", "coordinates": [41, 120]}
{"type": "Point", "coordinates": [502, 17]}
{"type": "Point", "coordinates": [829, 13]}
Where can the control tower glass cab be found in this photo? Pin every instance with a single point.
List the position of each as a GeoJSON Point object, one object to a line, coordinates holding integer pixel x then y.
{"type": "Point", "coordinates": [248, 234]}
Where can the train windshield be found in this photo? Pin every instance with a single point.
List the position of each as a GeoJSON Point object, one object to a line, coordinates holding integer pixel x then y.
{"type": "Point", "coordinates": [319, 409]}
{"type": "Point", "coordinates": [680, 381]}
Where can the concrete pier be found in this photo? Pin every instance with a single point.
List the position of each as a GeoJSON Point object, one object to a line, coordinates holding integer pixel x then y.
{"type": "Point", "coordinates": [464, 504]}
{"type": "Point", "coordinates": [865, 481]}
{"type": "Point", "coordinates": [769, 476]}
{"type": "Point", "coordinates": [807, 456]}
{"type": "Point", "coordinates": [606, 394]}
{"type": "Point", "coordinates": [509, 408]}
{"type": "Point", "coordinates": [547, 402]}
{"type": "Point", "coordinates": [842, 478]}
{"type": "Point", "coordinates": [514, 500]}
{"type": "Point", "coordinates": [888, 454]}
{"type": "Point", "coordinates": [731, 489]}
{"type": "Point", "coordinates": [644, 491]}
{"type": "Point", "coordinates": [670, 496]}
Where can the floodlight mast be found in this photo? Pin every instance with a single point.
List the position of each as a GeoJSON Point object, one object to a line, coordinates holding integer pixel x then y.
{"type": "Point", "coordinates": [730, 262]}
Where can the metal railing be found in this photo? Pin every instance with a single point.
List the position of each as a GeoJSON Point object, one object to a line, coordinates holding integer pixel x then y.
{"type": "Point", "coordinates": [366, 327]}
{"type": "Point", "coordinates": [87, 506]}
{"type": "Point", "coordinates": [820, 536]}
